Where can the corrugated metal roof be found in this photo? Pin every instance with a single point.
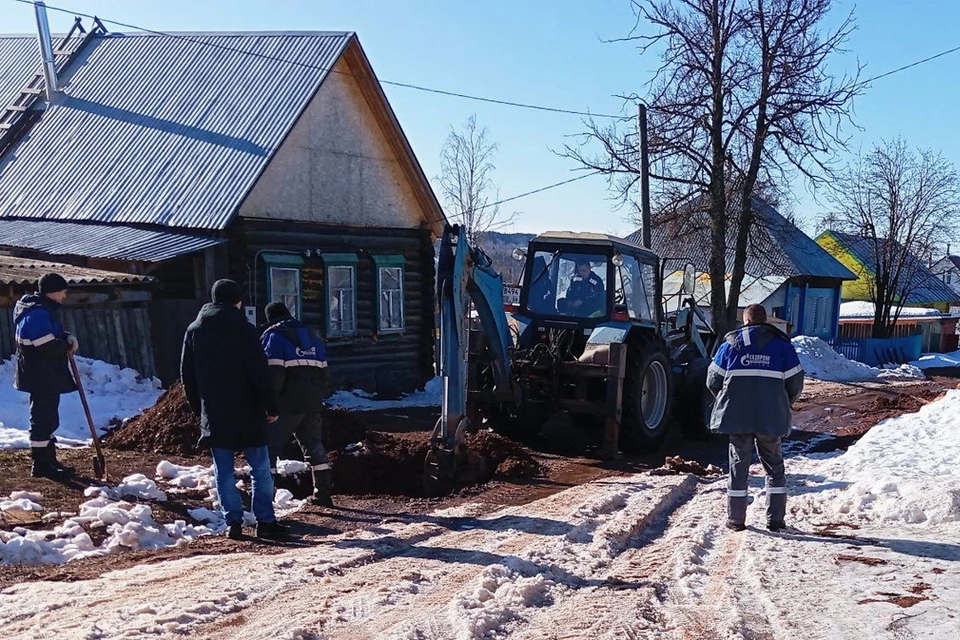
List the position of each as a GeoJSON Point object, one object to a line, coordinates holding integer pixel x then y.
{"type": "Point", "coordinates": [925, 288]}
{"type": "Point", "coordinates": [21, 271]}
{"type": "Point", "coordinates": [102, 241]}
{"type": "Point", "coordinates": [775, 247]}
{"type": "Point", "coordinates": [165, 130]}
{"type": "Point", "coordinates": [19, 61]}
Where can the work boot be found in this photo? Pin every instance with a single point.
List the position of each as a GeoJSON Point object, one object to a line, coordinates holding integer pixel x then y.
{"type": "Point", "coordinates": [776, 525]}
{"type": "Point", "coordinates": [735, 526]}
{"type": "Point", "coordinates": [42, 466]}
{"type": "Point", "coordinates": [272, 531]}
{"type": "Point", "coordinates": [62, 468]}
{"type": "Point", "coordinates": [322, 488]}
{"type": "Point", "coordinates": [234, 531]}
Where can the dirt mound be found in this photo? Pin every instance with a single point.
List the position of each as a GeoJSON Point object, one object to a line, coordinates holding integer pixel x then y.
{"type": "Point", "coordinates": [675, 465]}
{"type": "Point", "coordinates": [170, 427]}
{"type": "Point", "coordinates": [504, 457]}
{"type": "Point", "coordinates": [167, 427]}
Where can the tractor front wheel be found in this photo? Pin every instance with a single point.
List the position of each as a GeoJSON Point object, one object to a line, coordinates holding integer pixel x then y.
{"type": "Point", "coordinates": [647, 395]}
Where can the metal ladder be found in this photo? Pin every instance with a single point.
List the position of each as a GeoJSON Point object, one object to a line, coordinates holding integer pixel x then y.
{"type": "Point", "coordinates": [20, 111]}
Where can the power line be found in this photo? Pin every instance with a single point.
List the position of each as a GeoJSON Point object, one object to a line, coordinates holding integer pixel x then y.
{"type": "Point", "coordinates": [911, 65]}
{"type": "Point", "coordinates": [528, 193]}
{"type": "Point", "coordinates": [264, 56]}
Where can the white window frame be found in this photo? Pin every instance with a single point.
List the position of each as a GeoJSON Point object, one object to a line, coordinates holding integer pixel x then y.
{"type": "Point", "coordinates": [341, 332]}
{"type": "Point", "coordinates": [400, 292]}
{"type": "Point", "coordinates": [296, 309]}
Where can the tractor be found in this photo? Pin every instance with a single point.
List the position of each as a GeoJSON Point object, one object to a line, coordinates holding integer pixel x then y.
{"type": "Point", "coordinates": [588, 329]}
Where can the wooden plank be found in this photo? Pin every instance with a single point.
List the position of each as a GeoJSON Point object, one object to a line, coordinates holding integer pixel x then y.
{"type": "Point", "coordinates": [141, 319]}
{"type": "Point", "coordinates": [121, 342]}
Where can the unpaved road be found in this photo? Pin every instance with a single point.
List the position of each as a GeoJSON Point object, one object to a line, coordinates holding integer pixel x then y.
{"type": "Point", "coordinates": [626, 557]}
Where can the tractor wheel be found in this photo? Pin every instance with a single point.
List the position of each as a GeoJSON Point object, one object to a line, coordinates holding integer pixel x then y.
{"type": "Point", "coordinates": [647, 395]}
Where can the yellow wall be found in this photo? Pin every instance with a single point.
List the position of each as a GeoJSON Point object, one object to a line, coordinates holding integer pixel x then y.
{"type": "Point", "coordinates": [858, 289]}
{"type": "Point", "coordinates": [861, 288]}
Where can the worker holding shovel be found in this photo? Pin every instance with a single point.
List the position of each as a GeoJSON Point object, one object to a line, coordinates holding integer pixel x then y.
{"type": "Point", "coordinates": [43, 352]}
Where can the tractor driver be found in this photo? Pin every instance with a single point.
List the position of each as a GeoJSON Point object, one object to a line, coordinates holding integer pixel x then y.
{"type": "Point", "coordinates": [585, 296]}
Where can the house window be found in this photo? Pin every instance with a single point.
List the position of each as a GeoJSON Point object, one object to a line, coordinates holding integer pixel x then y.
{"type": "Point", "coordinates": [284, 280]}
{"type": "Point", "coordinates": [389, 293]}
{"type": "Point", "coordinates": [341, 290]}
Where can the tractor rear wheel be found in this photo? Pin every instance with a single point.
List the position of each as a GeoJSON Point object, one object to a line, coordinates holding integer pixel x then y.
{"type": "Point", "coordinates": [647, 396]}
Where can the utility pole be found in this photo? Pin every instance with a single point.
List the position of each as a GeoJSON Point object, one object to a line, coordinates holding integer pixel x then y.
{"type": "Point", "coordinates": [644, 175]}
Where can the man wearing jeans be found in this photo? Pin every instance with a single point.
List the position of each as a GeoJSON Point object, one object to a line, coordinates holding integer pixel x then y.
{"type": "Point", "coordinates": [227, 384]}
{"type": "Point", "coordinates": [756, 376]}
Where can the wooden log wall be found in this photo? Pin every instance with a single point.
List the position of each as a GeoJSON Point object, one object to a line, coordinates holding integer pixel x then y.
{"type": "Point", "coordinates": [112, 333]}
{"type": "Point", "coordinates": [377, 363]}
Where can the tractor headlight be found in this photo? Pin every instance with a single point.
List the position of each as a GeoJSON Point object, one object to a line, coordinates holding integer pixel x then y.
{"type": "Point", "coordinates": [519, 254]}
{"type": "Point", "coordinates": [617, 260]}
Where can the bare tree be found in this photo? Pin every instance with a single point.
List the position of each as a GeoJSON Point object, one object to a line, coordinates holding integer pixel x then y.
{"type": "Point", "coordinates": [741, 101]}
{"type": "Point", "coordinates": [903, 203]}
{"type": "Point", "coordinates": [466, 180]}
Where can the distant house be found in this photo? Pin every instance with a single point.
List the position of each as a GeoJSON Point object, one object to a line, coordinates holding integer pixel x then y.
{"type": "Point", "coordinates": [856, 252]}
{"type": "Point", "coordinates": [271, 158]}
{"type": "Point", "coordinates": [948, 270]}
{"type": "Point", "coordinates": [786, 271]}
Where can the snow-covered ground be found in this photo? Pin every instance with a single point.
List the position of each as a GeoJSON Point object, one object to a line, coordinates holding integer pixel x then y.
{"type": "Point", "coordinates": [123, 512]}
{"type": "Point", "coordinates": [358, 400]}
{"type": "Point", "coordinates": [819, 360]}
{"type": "Point", "coordinates": [874, 552]}
{"type": "Point", "coordinates": [938, 360]}
{"type": "Point", "coordinates": [112, 393]}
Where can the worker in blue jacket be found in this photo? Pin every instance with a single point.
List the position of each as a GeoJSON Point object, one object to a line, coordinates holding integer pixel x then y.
{"type": "Point", "coordinates": [298, 369]}
{"type": "Point", "coordinates": [43, 370]}
{"type": "Point", "coordinates": [756, 376]}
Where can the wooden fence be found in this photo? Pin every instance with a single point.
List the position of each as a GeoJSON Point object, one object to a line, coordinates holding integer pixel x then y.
{"type": "Point", "coordinates": [113, 333]}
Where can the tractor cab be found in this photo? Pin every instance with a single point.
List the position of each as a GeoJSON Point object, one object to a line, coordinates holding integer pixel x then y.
{"type": "Point", "coordinates": [579, 281]}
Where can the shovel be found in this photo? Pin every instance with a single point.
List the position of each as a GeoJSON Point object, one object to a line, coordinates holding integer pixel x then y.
{"type": "Point", "coordinates": [99, 464]}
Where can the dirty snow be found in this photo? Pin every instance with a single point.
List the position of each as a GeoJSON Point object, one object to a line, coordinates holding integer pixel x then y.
{"type": "Point", "coordinates": [112, 393]}
{"type": "Point", "coordinates": [129, 525]}
{"type": "Point", "coordinates": [937, 360]}
{"type": "Point", "coordinates": [358, 400]}
{"type": "Point", "coordinates": [820, 360]}
{"type": "Point", "coordinates": [861, 309]}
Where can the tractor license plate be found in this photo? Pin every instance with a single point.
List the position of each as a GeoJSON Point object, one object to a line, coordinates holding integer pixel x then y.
{"type": "Point", "coordinates": [511, 295]}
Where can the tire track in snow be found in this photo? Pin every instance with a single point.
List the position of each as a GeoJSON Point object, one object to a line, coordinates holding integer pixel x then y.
{"type": "Point", "coordinates": [477, 581]}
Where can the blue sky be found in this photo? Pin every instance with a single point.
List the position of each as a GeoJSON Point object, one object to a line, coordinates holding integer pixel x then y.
{"type": "Point", "coordinates": [552, 52]}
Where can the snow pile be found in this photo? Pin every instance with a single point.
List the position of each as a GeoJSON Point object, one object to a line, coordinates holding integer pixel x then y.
{"type": "Point", "coordinates": [819, 360]}
{"type": "Point", "coordinates": [904, 470]}
{"type": "Point", "coordinates": [291, 467]}
{"type": "Point", "coordinates": [112, 393]}
{"type": "Point", "coordinates": [938, 360]}
{"type": "Point", "coordinates": [863, 310]}
{"type": "Point", "coordinates": [358, 400]}
{"type": "Point", "coordinates": [128, 525]}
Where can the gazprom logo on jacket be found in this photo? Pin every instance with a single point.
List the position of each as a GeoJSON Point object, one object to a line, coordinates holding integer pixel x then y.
{"type": "Point", "coordinates": [312, 353]}
{"type": "Point", "coordinates": [755, 360]}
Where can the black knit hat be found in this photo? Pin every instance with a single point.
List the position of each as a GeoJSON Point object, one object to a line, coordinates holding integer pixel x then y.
{"type": "Point", "coordinates": [51, 283]}
{"type": "Point", "coordinates": [275, 312]}
{"type": "Point", "coordinates": [226, 292]}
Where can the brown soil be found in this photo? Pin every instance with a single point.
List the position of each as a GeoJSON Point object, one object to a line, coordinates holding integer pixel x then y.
{"type": "Point", "coordinates": [167, 427]}
{"type": "Point", "coordinates": [899, 600]}
{"type": "Point", "coordinates": [867, 560]}
{"type": "Point", "coordinates": [674, 465]}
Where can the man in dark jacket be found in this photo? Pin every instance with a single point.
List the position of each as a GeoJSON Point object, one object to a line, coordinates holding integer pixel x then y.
{"type": "Point", "coordinates": [756, 376]}
{"type": "Point", "coordinates": [43, 370]}
{"type": "Point", "coordinates": [227, 384]}
{"type": "Point", "coordinates": [585, 295]}
{"type": "Point", "coordinates": [298, 369]}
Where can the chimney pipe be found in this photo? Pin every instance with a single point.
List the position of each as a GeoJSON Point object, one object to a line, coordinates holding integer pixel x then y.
{"type": "Point", "coordinates": [46, 51]}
